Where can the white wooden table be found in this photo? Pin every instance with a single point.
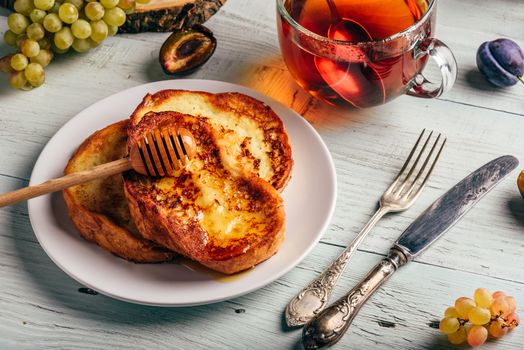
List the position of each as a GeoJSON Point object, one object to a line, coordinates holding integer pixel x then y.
{"type": "Point", "coordinates": [41, 307]}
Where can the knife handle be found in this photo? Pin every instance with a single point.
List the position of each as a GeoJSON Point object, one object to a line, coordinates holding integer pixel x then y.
{"type": "Point", "coordinates": [330, 325]}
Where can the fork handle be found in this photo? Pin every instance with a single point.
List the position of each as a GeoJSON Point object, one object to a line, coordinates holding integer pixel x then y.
{"type": "Point", "coordinates": [315, 296]}
{"type": "Point", "coordinates": [66, 181]}
{"type": "Point", "coordinates": [332, 323]}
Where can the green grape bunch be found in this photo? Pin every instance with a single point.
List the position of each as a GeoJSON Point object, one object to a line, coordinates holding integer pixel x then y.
{"type": "Point", "coordinates": [472, 320]}
{"type": "Point", "coordinates": [39, 29]}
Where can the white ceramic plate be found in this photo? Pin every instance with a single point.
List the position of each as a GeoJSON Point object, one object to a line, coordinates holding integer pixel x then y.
{"type": "Point", "coordinates": [309, 203]}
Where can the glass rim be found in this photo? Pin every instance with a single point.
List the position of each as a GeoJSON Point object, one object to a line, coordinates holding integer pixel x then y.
{"type": "Point", "coordinates": [414, 27]}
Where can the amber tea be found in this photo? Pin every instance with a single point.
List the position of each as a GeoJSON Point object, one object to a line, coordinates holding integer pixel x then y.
{"type": "Point", "coordinates": [329, 67]}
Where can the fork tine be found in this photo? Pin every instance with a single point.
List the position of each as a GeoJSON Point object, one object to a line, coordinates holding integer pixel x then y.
{"type": "Point", "coordinates": [406, 162]}
{"type": "Point", "coordinates": [414, 166]}
{"type": "Point", "coordinates": [430, 171]}
{"type": "Point", "coordinates": [423, 167]}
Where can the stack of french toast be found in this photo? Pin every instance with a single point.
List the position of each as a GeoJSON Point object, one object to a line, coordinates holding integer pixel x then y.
{"type": "Point", "coordinates": [222, 210]}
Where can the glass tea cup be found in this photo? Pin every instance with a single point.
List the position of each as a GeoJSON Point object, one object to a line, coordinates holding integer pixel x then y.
{"type": "Point", "coordinates": [330, 49]}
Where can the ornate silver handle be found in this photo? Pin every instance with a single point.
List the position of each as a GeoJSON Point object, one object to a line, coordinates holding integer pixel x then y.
{"type": "Point", "coordinates": [315, 296]}
{"type": "Point", "coordinates": [331, 324]}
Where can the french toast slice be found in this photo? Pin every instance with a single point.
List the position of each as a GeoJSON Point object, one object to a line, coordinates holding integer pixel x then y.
{"type": "Point", "coordinates": [251, 137]}
{"type": "Point", "coordinates": [224, 220]}
{"type": "Point", "coordinates": [99, 209]}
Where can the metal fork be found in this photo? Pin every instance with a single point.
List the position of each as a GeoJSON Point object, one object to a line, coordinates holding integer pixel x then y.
{"type": "Point", "coordinates": [399, 196]}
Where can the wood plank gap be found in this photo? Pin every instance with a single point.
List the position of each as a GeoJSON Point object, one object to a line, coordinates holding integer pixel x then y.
{"type": "Point", "coordinates": [15, 177]}
{"type": "Point", "coordinates": [481, 107]}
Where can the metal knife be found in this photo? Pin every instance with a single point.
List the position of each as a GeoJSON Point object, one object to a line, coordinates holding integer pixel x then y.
{"type": "Point", "coordinates": [330, 325]}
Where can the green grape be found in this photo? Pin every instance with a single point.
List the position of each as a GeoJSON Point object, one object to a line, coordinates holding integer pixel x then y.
{"type": "Point", "coordinates": [44, 4]}
{"type": "Point", "coordinates": [112, 30]}
{"type": "Point", "coordinates": [109, 4]}
{"type": "Point", "coordinates": [458, 337]}
{"type": "Point", "coordinates": [35, 31]}
{"type": "Point", "coordinates": [482, 297]}
{"type": "Point", "coordinates": [81, 45]}
{"type": "Point", "coordinates": [17, 23]}
{"type": "Point", "coordinates": [126, 4]}
{"type": "Point", "coordinates": [45, 44]}
{"type": "Point", "coordinates": [500, 306]}
{"type": "Point", "coordinates": [63, 39]}
{"type": "Point", "coordinates": [34, 73]}
{"type": "Point", "coordinates": [498, 329]}
{"type": "Point", "coordinates": [115, 16]}
{"type": "Point", "coordinates": [451, 312]}
{"type": "Point", "coordinates": [68, 13]}
{"type": "Point", "coordinates": [512, 303]}
{"type": "Point", "coordinates": [55, 8]}
{"type": "Point", "coordinates": [37, 15]}
{"type": "Point", "coordinates": [463, 305]}
{"type": "Point", "coordinates": [17, 80]}
{"type": "Point", "coordinates": [10, 38]}
{"type": "Point", "coordinates": [79, 4]}
{"type": "Point", "coordinates": [81, 29]}
{"type": "Point", "coordinates": [513, 320]}
{"type": "Point", "coordinates": [43, 58]}
{"type": "Point", "coordinates": [94, 11]}
{"type": "Point", "coordinates": [29, 48]}
{"type": "Point", "coordinates": [18, 62]}
{"type": "Point", "coordinates": [5, 64]}
{"type": "Point", "coordinates": [93, 43]}
{"type": "Point", "coordinates": [52, 23]}
{"type": "Point", "coordinates": [19, 39]}
{"type": "Point", "coordinates": [449, 325]}
{"type": "Point", "coordinates": [99, 31]}
{"type": "Point", "coordinates": [477, 335]}
{"type": "Point", "coordinates": [142, 1]}
{"type": "Point", "coordinates": [24, 7]}
{"type": "Point", "coordinates": [479, 316]}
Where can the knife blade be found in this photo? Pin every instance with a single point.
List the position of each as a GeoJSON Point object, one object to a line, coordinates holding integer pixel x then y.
{"type": "Point", "coordinates": [330, 325]}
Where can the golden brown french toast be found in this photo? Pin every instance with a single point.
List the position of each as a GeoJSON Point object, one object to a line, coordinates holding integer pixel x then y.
{"type": "Point", "coordinates": [226, 220]}
{"type": "Point", "coordinates": [99, 209]}
{"type": "Point", "coordinates": [251, 137]}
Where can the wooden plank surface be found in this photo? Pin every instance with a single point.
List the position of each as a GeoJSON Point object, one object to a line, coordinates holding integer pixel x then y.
{"type": "Point", "coordinates": [43, 308]}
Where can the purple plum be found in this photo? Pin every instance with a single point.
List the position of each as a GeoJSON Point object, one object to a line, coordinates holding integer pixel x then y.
{"type": "Point", "coordinates": [501, 61]}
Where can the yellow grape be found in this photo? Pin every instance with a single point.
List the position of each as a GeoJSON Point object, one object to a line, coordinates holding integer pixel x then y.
{"type": "Point", "coordinates": [63, 39]}
{"type": "Point", "coordinates": [77, 3]}
{"type": "Point", "coordinates": [17, 23]}
{"type": "Point", "coordinates": [477, 335]}
{"type": "Point", "coordinates": [109, 4]}
{"type": "Point", "coordinates": [463, 305]}
{"type": "Point", "coordinates": [5, 64]}
{"type": "Point", "coordinates": [479, 316]}
{"type": "Point", "coordinates": [68, 13]}
{"type": "Point", "coordinates": [126, 4]}
{"type": "Point", "coordinates": [34, 73]}
{"type": "Point", "coordinates": [130, 10]}
{"type": "Point", "coordinates": [52, 23]}
{"type": "Point", "coordinates": [45, 44]}
{"type": "Point", "coordinates": [58, 50]}
{"type": "Point", "coordinates": [81, 29]}
{"type": "Point", "coordinates": [93, 43]}
{"type": "Point", "coordinates": [458, 337]}
{"type": "Point", "coordinates": [44, 4]}
{"type": "Point", "coordinates": [94, 11]}
{"type": "Point", "coordinates": [29, 48]}
{"type": "Point", "coordinates": [112, 30]}
{"type": "Point", "coordinates": [483, 297]}
{"type": "Point", "coordinates": [81, 45]}
{"type": "Point", "coordinates": [10, 38]}
{"type": "Point", "coordinates": [99, 31]}
{"type": "Point", "coordinates": [512, 303]}
{"type": "Point", "coordinates": [500, 306]}
{"type": "Point", "coordinates": [43, 58]}
{"type": "Point", "coordinates": [497, 329]}
{"type": "Point", "coordinates": [35, 31]}
{"type": "Point", "coordinates": [115, 16]}
{"type": "Point", "coordinates": [513, 320]}
{"type": "Point", "coordinates": [449, 325]}
{"type": "Point", "coordinates": [24, 7]}
{"type": "Point", "coordinates": [143, 1]}
{"type": "Point", "coordinates": [451, 312]}
{"type": "Point", "coordinates": [17, 80]}
{"type": "Point", "coordinates": [37, 15]}
{"type": "Point", "coordinates": [18, 62]}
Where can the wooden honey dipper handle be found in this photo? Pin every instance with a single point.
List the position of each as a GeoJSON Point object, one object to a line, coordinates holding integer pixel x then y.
{"type": "Point", "coordinates": [63, 182]}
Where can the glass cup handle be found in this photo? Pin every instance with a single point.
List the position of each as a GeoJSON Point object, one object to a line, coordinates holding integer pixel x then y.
{"type": "Point", "coordinates": [445, 60]}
